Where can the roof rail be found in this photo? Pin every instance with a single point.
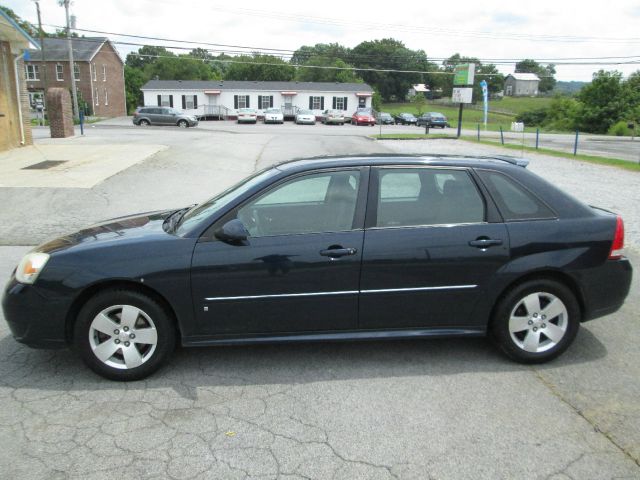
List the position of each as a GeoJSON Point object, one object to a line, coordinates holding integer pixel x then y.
{"type": "Point", "coordinates": [518, 161]}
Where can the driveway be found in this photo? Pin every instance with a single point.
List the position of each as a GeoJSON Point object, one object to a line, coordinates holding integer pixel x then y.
{"type": "Point", "coordinates": [445, 409]}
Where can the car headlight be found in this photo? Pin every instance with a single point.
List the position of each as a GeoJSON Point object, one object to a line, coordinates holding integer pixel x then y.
{"type": "Point", "coordinates": [30, 267]}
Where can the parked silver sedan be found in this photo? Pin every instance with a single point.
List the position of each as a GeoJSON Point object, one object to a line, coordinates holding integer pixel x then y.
{"type": "Point", "coordinates": [306, 116]}
{"type": "Point", "coordinates": [333, 116]}
{"type": "Point", "coordinates": [247, 115]}
{"type": "Point", "coordinates": [273, 115]}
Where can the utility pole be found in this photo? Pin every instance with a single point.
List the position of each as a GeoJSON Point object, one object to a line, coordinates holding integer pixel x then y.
{"type": "Point", "coordinates": [44, 65]}
{"type": "Point", "coordinates": [76, 112]}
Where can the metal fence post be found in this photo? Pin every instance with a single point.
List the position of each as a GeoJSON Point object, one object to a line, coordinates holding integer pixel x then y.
{"type": "Point", "coordinates": [478, 132]}
{"type": "Point", "coordinates": [575, 145]}
{"type": "Point", "coordinates": [537, 137]}
{"type": "Point", "coordinates": [501, 135]}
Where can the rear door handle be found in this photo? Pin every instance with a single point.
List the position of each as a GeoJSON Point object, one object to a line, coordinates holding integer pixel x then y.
{"type": "Point", "coordinates": [485, 242]}
{"type": "Point", "coordinates": [338, 252]}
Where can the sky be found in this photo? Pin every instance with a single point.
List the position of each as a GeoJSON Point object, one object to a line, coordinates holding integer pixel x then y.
{"type": "Point", "coordinates": [548, 31]}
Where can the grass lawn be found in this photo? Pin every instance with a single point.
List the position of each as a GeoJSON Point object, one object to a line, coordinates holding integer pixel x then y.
{"type": "Point", "coordinates": [471, 118]}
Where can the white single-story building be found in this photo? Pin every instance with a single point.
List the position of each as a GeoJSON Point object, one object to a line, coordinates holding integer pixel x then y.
{"type": "Point", "coordinates": [222, 98]}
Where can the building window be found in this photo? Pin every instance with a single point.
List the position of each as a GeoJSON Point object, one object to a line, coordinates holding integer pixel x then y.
{"type": "Point", "coordinates": [362, 102]}
{"type": "Point", "coordinates": [59, 73]}
{"type": "Point", "coordinates": [241, 101]}
{"type": "Point", "coordinates": [94, 73]}
{"type": "Point", "coordinates": [104, 73]}
{"type": "Point", "coordinates": [189, 102]}
{"type": "Point", "coordinates": [165, 101]}
{"type": "Point", "coordinates": [32, 72]}
{"type": "Point", "coordinates": [265, 101]}
{"type": "Point", "coordinates": [97, 97]}
{"type": "Point", "coordinates": [339, 103]}
{"type": "Point", "coordinates": [316, 103]}
{"type": "Point", "coordinates": [106, 97]}
{"type": "Point", "coordinates": [76, 72]}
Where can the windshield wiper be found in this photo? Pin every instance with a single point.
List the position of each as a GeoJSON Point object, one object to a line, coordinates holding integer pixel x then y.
{"type": "Point", "coordinates": [171, 222]}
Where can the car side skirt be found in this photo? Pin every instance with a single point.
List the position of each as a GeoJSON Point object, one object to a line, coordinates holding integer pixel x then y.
{"type": "Point", "coordinates": [197, 341]}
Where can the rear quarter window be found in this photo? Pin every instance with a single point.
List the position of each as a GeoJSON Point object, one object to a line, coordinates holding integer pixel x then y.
{"type": "Point", "coordinates": [514, 201]}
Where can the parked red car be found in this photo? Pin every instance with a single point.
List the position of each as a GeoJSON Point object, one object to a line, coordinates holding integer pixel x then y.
{"type": "Point", "coordinates": [362, 117]}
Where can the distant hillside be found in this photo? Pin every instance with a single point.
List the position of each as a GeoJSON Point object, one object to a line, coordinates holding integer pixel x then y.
{"type": "Point", "coordinates": [569, 87]}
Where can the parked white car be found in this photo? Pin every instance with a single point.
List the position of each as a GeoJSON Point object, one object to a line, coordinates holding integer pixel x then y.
{"type": "Point", "coordinates": [306, 116]}
{"type": "Point", "coordinates": [273, 115]}
{"type": "Point", "coordinates": [247, 115]}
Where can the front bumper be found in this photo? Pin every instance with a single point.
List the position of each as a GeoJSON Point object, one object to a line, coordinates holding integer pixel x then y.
{"type": "Point", "coordinates": [33, 319]}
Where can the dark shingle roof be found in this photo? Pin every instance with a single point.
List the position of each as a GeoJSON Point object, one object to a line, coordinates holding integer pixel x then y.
{"type": "Point", "coordinates": [55, 49]}
{"type": "Point", "coordinates": [251, 85]}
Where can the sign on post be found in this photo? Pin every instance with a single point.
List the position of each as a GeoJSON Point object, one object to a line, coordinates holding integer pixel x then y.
{"type": "Point", "coordinates": [462, 95]}
{"type": "Point", "coordinates": [464, 74]}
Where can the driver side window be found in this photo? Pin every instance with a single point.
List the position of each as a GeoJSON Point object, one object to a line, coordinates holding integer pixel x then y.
{"type": "Point", "coordinates": [319, 202]}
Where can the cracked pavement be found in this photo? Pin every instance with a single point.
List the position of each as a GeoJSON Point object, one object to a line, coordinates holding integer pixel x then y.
{"type": "Point", "coordinates": [437, 409]}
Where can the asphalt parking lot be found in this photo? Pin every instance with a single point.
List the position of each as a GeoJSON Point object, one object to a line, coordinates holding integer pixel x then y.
{"type": "Point", "coordinates": [446, 409]}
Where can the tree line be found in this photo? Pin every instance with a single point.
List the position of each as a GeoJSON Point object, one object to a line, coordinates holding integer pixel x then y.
{"type": "Point", "coordinates": [387, 65]}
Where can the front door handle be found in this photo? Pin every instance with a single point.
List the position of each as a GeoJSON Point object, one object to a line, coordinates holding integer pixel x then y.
{"type": "Point", "coordinates": [338, 252]}
{"type": "Point", "coordinates": [485, 242]}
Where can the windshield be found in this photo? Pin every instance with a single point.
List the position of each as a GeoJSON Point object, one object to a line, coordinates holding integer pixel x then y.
{"type": "Point", "coordinates": [246, 110]}
{"type": "Point", "coordinates": [272, 110]}
{"type": "Point", "coordinates": [304, 112]}
{"type": "Point", "coordinates": [200, 212]}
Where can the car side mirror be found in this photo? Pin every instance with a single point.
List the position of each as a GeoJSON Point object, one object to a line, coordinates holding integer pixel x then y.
{"type": "Point", "coordinates": [233, 232]}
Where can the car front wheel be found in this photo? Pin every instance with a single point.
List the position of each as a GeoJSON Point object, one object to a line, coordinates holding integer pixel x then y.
{"type": "Point", "coordinates": [536, 321]}
{"type": "Point", "coordinates": [143, 123]}
{"type": "Point", "coordinates": [124, 335]}
{"type": "Point", "coordinates": [183, 124]}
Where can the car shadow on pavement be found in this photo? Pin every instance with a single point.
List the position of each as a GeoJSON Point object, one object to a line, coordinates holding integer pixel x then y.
{"type": "Point", "coordinates": [190, 368]}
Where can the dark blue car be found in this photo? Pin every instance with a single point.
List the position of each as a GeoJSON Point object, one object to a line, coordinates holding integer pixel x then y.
{"type": "Point", "coordinates": [330, 249]}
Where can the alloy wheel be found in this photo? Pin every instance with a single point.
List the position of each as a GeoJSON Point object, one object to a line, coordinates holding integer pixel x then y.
{"type": "Point", "coordinates": [538, 322]}
{"type": "Point", "coordinates": [123, 336]}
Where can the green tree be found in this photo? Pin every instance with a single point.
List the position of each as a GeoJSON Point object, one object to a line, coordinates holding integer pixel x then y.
{"type": "Point", "coordinates": [183, 67]}
{"type": "Point", "coordinates": [546, 73]}
{"type": "Point", "coordinates": [146, 55]}
{"type": "Point", "coordinates": [603, 102]}
{"type": "Point", "coordinates": [390, 54]}
{"type": "Point", "coordinates": [134, 79]}
{"type": "Point", "coordinates": [340, 73]}
{"type": "Point", "coordinates": [26, 26]}
{"type": "Point", "coordinates": [259, 68]}
{"type": "Point", "coordinates": [333, 51]}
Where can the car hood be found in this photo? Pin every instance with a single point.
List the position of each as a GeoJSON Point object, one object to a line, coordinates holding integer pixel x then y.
{"type": "Point", "coordinates": [121, 229]}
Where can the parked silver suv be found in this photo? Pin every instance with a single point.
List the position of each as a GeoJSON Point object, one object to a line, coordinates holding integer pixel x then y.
{"type": "Point", "coordinates": [163, 116]}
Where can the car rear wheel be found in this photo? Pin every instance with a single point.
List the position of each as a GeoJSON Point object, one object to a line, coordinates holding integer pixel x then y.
{"type": "Point", "coordinates": [183, 124]}
{"type": "Point", "coordinates": [536, 321]}
{"type": "Point", "coordinates": [143, 123]}
{"type": "Point", "coordinates": [123, 335]}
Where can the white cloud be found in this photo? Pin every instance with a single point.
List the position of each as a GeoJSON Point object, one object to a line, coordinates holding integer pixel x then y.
{"type": "Point", "coordinates": [481, 29]}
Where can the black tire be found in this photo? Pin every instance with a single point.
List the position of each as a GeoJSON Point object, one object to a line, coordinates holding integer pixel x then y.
{"type": "Point", "coordinates": [86, 337]}
{"type": "Point", "coordinates": [512, 339]}
{"type": "Point", "coordinates": [144, 123]}
{"type": "Point", "coordinates": [183, 124]}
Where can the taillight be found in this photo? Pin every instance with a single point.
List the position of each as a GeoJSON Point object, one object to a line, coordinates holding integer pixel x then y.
{"type": "Point", "coordinates": [618, 240]}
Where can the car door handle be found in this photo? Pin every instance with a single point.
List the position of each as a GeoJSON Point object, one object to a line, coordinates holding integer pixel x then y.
{"type": "Point", "coordinates": [338, 252]}
{"type": "Point", "coordinates": [485, 242]}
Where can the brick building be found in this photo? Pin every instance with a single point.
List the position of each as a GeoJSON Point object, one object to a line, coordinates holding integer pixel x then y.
{"type": "Point", "coordinates": [15, 126]}
{"type": "Point", "coordinates": [99, 73]}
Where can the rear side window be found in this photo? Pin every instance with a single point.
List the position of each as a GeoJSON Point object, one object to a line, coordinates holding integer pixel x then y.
{"type": "Point", "coordinates": [423, 196]}
{"type": "Point", "coordinates": [514, 201]}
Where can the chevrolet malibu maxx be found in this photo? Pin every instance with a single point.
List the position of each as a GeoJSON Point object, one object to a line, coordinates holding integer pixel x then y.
{"type": "Point", "coordinates": [349, 248]}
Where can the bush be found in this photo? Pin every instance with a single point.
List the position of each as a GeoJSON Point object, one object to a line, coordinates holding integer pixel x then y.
{"type": "Point", "coordinates": [533, 118]}
{"type": "Point", "coordinates": [620, 129]}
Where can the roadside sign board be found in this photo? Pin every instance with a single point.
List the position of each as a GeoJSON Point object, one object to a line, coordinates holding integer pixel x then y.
{"type": "Point", "coordinates": [464, 74]}
{"type": "Point", "coordinates": [517, 127]}
{"type": "Point", "coordinates": [462, 95]}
